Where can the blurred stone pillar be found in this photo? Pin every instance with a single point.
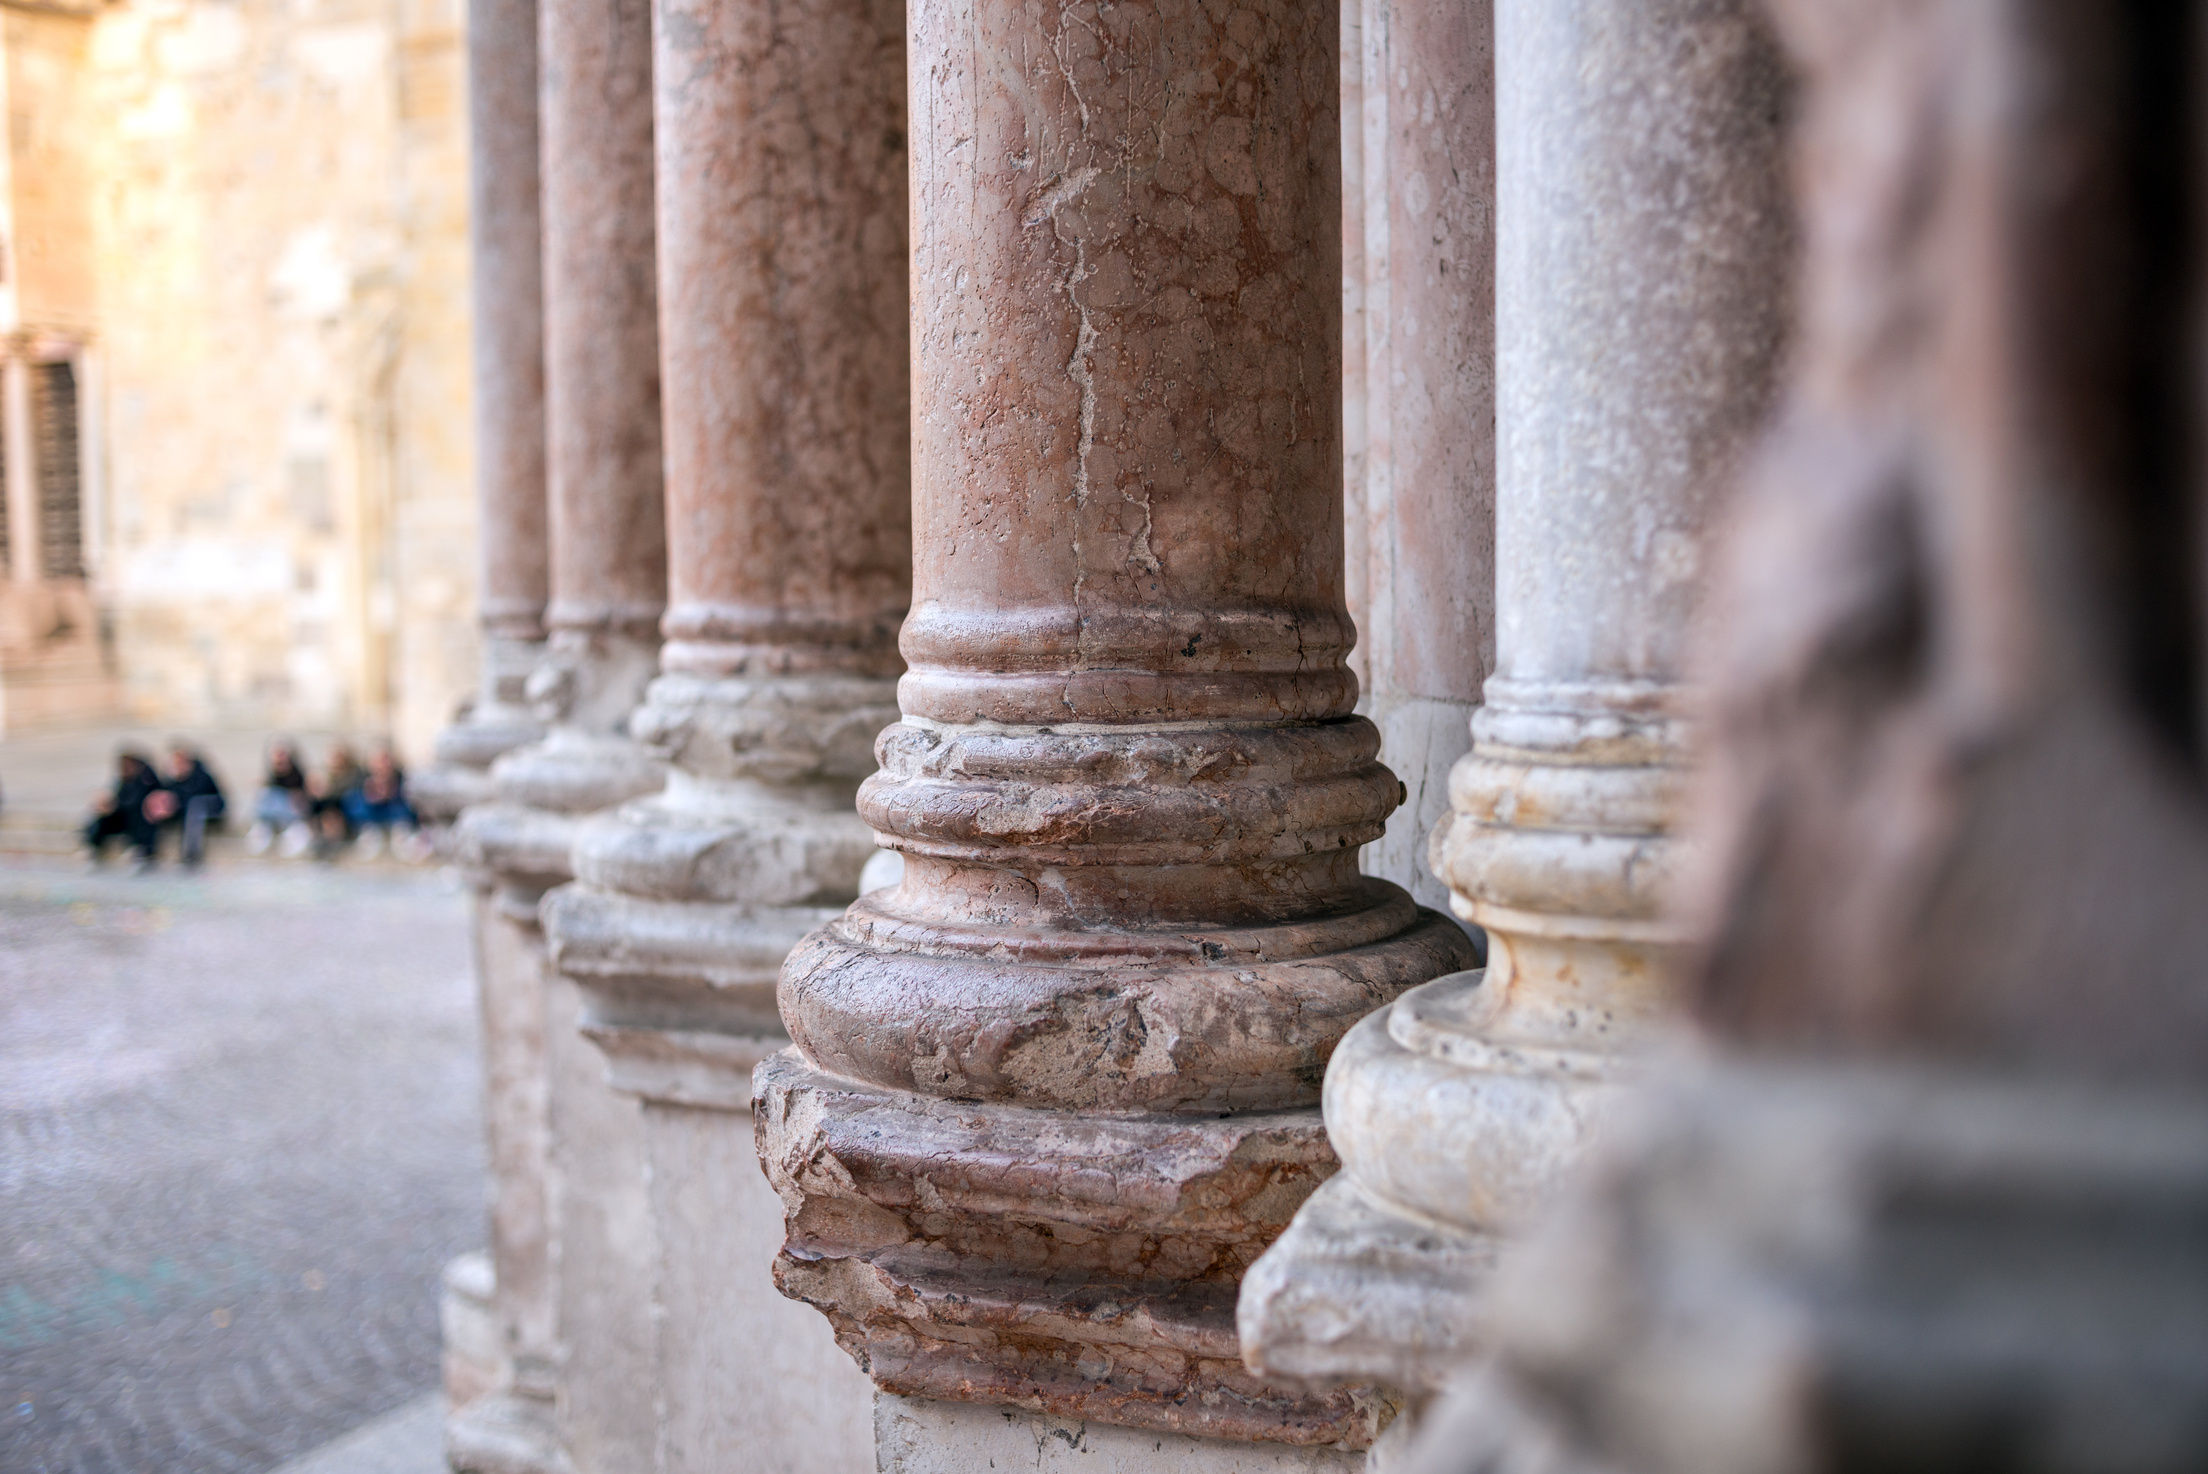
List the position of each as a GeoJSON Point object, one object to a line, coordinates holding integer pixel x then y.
{"type": "Point", "coordinates": [608, 579]}
{"type": "Point", "coordinates": [783, 292]}
{"type": "Point", "coordinates": [1640, 292]}
{"type": "Point", "coordinates": [1427, 143]}
{"type": "Point", "coordinates": [507, 243]}
{"type": "Point", "coordinates": [1056, 1089]}
{"type": "Point", "coordinates": [1935, 1196]}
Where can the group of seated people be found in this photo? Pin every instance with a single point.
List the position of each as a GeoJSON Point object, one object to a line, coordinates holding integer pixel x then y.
{"type": "Point", "coordinates": [349, 803]}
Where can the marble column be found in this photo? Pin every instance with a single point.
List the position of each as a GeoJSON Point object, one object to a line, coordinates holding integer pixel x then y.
{"type": "Point", "coordinates": [1427, 497]}
{"type": "Point", "coordinates": [606, 526]}
{"type": "Point", "coordinates": [507, 245]}
{"type": "Point", "coordinates": [1051, 1093]}
{"type": "Point", "coordinates": [783, 337]}
{"type": "Point", "coordinates": [1633, 361]}
{"type": "Point", "coordinates": [1935, 1193]}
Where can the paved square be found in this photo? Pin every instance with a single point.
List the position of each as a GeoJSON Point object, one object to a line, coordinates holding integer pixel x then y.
{"type": "Point", "coordinates": [240, 1134]}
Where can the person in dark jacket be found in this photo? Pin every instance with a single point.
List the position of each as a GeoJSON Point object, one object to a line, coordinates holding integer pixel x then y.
{"type": "Point", "coordinates": [193, 802]}
{"type": "Point", "coordinates": [120, 813]}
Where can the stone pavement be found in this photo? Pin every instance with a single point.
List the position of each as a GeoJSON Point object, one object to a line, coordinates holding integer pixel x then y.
{"type": "Point", "coordinates": [240, 1135]}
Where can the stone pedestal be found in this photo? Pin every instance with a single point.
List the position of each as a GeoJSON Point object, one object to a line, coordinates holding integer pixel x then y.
{"type": "Point", "coordinates": [505, 225]}
{"type": "Point", "coordinates": [1632, 362]}
{"type": "Point", "coordinates": [1055, 1090]}
{"type": "Point", "coordinates": [782, 278]}
{"type": "Point", "coordinates": [510, 1429]}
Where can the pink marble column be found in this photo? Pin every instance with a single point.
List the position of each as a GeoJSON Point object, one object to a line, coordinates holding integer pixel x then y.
{"type": "Point", "coordinates": [1428, 494]}
{"type": "Point", "coordinates": [511, 1354]}
{"type": "Point", "coordinates": [784, 328]}
{"type": "Point", "coordinates": [506, 237]}
{"type": "Point", "coordinates": [1055, 1089]}
{"type": "Point", "coordinates": [606, 527]}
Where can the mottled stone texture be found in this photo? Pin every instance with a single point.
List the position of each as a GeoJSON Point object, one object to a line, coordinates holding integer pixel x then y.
{"type": "Point", "coordinates": [1953, 819]}
{"type": "Point", "coordinates": [783, 331]}
{"type": "Point", "coordinates": [1054, 1090]}
{"type": "Point", "coordinates": [1426, 143]}
{"type": "Point", "coordinates": [1632, 362]}
{"type": "Point", "coordinates": [780, 133]}
{"type": "Point", "coordinates": [505, 232]}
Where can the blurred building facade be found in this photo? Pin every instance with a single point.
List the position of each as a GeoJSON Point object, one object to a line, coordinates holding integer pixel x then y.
{"type": "Point", "coordinates": [236, 315]}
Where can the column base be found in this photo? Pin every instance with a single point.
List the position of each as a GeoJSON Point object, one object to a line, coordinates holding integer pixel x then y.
{"type": "Point", "coordinates": [914, 1435]}
{"type": "Point", "coordinates": [1450, 1133]}
{"type": "Point", "coordinates": [1359, 1290]}
{"type": "Point", "coordinates": [1079, 1266]}
{"type": "Point", "coordinates": [467, 1322]}
{"type": "Point", "coordinates": [505, 1433]}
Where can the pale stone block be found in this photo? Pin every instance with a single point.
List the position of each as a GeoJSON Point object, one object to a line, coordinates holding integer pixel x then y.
{"type": "Point", "coordinates": [919, 1436]}
{"type": "Point", "coordinates": [750, 1380]}
{"type": "Point", "coordinates": [603, 1254]}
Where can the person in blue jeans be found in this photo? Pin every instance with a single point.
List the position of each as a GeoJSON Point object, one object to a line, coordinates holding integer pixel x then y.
{"type": "Point", "coordinates": [192, 801]}
{"type": "Point", "coordinates": [377, 804]}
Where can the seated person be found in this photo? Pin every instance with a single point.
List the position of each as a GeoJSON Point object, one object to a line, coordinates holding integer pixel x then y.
{"type": "Point", "coordinates": [377, 804]}
{"type": "Point", "coordinates": [281, 807]}
{"type": "Point", "coordinates": [120, 813]}
{"type": "Point", "coordinates": [327, 803]}
{"type": "Point", "coordinates": [192, 801]}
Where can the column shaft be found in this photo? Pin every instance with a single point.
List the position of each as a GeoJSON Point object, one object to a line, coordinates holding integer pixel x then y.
{"type": "Point", "coordinates": [505, 233]}
{"type": "Point", "coordinates": [1428, 140]}
{"type": "Point", "coordinates": [1642, 262]}
{"type": "Point", "coordinates": [1075, 1051]}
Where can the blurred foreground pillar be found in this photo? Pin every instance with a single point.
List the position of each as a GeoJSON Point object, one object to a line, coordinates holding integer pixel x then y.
{"type": "Point", "coordinates": [1054, 1091]}
{"type": "Point", "coordinates": [783, 291]}
{"type": "Point", "coordinates": [564, 1149]}
{"type": "Point", "coordinates": [1944, 1203]}
{"type": "Point", "coordinates": [507, 241]}
{"type": "Point", "coordinates": [1640, 291]}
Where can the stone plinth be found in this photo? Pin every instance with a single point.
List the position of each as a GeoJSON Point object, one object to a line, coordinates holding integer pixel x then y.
{"type": "Point", "coordinates": [1052, 1092]}
{"type": "Point", "coordinates": [1632, 363]}
{"type": "Point", "coordinates": [1859, 1269]}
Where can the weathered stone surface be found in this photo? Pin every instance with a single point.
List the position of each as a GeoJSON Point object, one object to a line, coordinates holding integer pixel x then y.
{"type": "Point", "coordinates": [1127, 787]}
{"type": "Point", "coordinates": [1371, 1292]}
{"type": "Point", "coordinates": [1079, 1265]}
{"type": "Point", "coordinates": [1780, 1269]}
{"type": "Point", "coordinates": [920, 1436]}
{"type": "Point", "coordinates": [1632, 363]}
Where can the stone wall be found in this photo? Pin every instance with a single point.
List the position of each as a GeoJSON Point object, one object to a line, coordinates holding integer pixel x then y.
{"type": "Point", "coordinates": [251, 216]}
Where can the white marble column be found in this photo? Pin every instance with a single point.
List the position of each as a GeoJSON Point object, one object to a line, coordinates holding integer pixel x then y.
{"type": "Point", "coordinates": [1643, 247]}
